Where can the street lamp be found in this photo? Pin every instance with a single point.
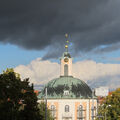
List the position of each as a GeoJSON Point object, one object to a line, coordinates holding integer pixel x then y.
{"type": "Point", "coordinates": [92, 104]}
{"type": "Point", "coordinates": [106, 111]}
{"type": "Point", "coordinates": [46, 103]}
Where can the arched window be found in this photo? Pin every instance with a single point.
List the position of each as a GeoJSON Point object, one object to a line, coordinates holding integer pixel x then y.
{"type": "Point", "coordinates": [80, 112]}
{"type": "Point", "coordinates": [93, 112]}
{"type": "Point", "coordinates": [66, 70]}
{"type": "Point", "coordinates": [67, 108]}
{"type": "Point", "coordinates": [53, 111]}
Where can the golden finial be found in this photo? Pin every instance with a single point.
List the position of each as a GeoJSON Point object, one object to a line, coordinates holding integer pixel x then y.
{"type": "Point", "coordinates": [66, 35]}
{"type": "Point", "coordinates": [66, 46]}
{"type": "Point", "coordinates": [67, 42]}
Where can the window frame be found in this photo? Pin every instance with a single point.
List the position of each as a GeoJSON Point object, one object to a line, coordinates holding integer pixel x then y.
{"type": "Point", "coordinates": [67, 108]}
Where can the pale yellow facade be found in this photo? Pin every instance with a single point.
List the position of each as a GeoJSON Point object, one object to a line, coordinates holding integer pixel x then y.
{"type": "Point", "coordinates": [70, 104]}
{"type": "Point", "coordinates": [88, 111]}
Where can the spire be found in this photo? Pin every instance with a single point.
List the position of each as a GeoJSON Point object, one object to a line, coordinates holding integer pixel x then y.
{"type": "Point", "coordinates": [66, 60]}
{"type": "Point", "coordinates": [67, 42]}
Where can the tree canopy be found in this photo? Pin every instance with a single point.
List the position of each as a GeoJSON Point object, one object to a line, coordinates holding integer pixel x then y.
{"type": "Point", "coordinates": [18, 101]}
{"type": "Point", "coordinates": [42, 112]}
{"type": "Point", "coordinates": [110, 109]}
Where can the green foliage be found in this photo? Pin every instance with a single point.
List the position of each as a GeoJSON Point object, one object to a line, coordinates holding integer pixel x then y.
{"type": "Point", "coordinates": [42, 112]}
{"type": "Point", "coordinates": [17, 98]}
{"type": "Point", "coordinates": [110, 109]}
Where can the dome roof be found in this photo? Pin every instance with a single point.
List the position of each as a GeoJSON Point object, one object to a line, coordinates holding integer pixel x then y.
{"type": "Point", "coordinates": [66, 87]}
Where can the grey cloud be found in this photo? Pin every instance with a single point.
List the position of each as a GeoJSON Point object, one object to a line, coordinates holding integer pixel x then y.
{"type": "Point", "coordinates": [41, 24]}
{"type": "Point", "coordinates": [111, 82]}
{"type": "Point", "coordinates": [108, 48]}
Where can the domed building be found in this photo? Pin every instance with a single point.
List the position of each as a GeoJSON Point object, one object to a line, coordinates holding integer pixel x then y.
{"type": "Point", "coordinates": [69, 98]}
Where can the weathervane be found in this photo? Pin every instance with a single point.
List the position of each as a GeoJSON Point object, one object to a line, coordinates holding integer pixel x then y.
{"type": "Point", "coordinates": [67, 42]}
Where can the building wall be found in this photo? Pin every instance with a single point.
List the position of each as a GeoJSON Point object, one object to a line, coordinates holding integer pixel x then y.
{"type": "Point", "coordinates": [73, 105]}
{"type": "Point", "coordinates": [102, 91]}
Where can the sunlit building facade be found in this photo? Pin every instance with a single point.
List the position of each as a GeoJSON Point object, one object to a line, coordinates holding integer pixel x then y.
{"type": "Point", "coordinates": [69, 98]}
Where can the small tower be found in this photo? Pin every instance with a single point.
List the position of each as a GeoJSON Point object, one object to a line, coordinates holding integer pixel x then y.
{"type": "Point", "coordinates": [66, 61]}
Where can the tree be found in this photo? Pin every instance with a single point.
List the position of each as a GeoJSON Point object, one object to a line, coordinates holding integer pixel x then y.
{"type": "Point", "coordinates": [42, 112]}
{"type": "Point", "coordinates": [17, 98]}
{"type": "Point", "coordinates": [110, 109]}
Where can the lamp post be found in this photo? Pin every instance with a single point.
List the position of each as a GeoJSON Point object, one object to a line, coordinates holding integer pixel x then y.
{"type": "Point", "coordinates": [92, 104]}
{"type": "Point", "coordinates": [99, 115]}
{"type": "Point", "coordinates": [106, 111]}
{"type": "Point", "coordinates": [46, 103]}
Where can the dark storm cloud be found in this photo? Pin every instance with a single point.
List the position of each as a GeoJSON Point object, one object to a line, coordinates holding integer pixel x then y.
{"type": "Point", "coordinates": [39, 24]}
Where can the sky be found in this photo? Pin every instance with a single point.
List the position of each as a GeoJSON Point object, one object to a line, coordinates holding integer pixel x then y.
{"type": "Point", "coordinates": [33, 31]}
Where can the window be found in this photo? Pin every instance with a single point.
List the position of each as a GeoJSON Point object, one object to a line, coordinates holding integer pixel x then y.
{"type": "Point", "coordinates": [93, 112]}
{"type": "Point", "coordinates": [66, 70]}
{"type": "Point", "coordinates": [66, 92]}
{"type": "Point", "coordinates": [80, 113]}
{"type": "Point", "coordinates": [67, 108]}
{"type": "Point", "coordinates": [53, 111]}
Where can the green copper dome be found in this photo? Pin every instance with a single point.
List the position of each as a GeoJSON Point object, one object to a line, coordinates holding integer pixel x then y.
{"type": "Point", "coordinates": [66, 87]}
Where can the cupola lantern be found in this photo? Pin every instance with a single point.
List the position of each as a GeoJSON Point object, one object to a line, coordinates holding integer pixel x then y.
{"type": "Point", "coordinates": [66, 61]}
